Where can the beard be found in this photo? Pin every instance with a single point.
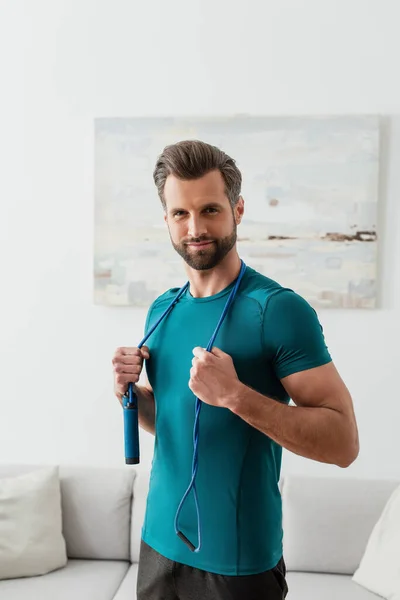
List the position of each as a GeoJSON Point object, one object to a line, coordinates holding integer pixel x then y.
{"type": "Point", "coordinates": [208, 257]}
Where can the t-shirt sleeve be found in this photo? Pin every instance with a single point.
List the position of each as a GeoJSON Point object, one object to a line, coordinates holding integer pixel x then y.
{"type": "Point", "coordinates": [292, 334]}
{"type": "Point", "coordinates": [148, 318]}
{"type": "Point", "coordinates": [147, 321]}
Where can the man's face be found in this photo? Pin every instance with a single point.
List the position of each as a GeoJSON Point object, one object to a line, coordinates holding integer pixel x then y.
{"type": "Point", "coordinates": [201, 222]}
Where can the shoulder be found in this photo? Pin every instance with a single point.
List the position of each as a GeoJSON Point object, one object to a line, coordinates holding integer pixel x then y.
{"type": "Point", "coordinates": [261, 288]}
{"type": "Point", "coordinates": [274, 299]}
{"type": "Point", "coordinates": [289, 303]}
{"type": "Point", "coordinates": [163, 300]}
{"type": "Point", "coordinates": [167, 296]}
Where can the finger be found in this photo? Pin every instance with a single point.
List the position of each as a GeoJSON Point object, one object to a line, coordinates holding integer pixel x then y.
{"type": "Point", "coordinates": [123, 380]}
{"type": "Point", "coordinates": [217, 352]}
{"type": "Point", "coordinates": [127, 359]}
{"type": "Point", "coordinates": [199, 352]}
{"type": "Point", "coordinates": [128, 369]}
{"type": "Point", "coordinates": [129, 351]}
{"type": "Point", "coordinates": [145, 352]}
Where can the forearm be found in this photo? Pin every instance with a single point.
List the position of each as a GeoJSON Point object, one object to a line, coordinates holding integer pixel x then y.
{"type": "Point", "coordinates": [321, 434]}
{"type": "Point", "coordinates": [147, 411]}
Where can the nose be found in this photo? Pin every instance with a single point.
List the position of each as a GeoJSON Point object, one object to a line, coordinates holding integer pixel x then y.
{"type": "Point", "coordinates": [196, 226]}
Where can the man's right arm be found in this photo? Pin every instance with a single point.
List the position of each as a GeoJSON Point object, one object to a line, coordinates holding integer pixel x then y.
{"type": "Point", "coordinates": [147, 407]}
{"type": "Point", "coordinates": [128, 365]}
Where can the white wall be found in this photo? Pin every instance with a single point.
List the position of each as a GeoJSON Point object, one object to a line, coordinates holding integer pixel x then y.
{"type": "Point", "coordinates": [64, 62]}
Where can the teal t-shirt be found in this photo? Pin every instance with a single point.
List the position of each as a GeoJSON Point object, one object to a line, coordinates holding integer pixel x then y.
{"type": "Point", "coordinates": [270, 332]}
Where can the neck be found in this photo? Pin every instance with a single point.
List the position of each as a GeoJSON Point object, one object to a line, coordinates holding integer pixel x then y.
{"type": "Point", "coordinates": [210, 282]}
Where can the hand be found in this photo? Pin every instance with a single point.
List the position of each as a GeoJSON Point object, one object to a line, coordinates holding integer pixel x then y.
{"type": "Point", "coordinates": [213, 377]}
{"type": "Point", "coordinates": [128, 364]}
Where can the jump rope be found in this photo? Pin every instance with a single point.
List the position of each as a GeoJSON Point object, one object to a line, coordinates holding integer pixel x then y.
{"type": "Point", "coordinates": [131, 420]}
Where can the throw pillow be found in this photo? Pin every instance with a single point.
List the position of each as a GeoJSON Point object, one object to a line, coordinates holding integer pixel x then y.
{"type": "Point", "coordinates": [379, 570]}
{"type": "Point", "coordinates": [31, 539]}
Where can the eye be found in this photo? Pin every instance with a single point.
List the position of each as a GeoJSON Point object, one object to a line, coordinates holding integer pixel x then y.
{"type": "Point", "coordinates": [178, 213]}
{"type": "Point", "coordinates": [211, 210]}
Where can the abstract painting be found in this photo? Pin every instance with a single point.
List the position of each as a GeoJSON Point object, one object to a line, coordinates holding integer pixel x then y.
{"type": "Point", "coordinates": [310, 186]}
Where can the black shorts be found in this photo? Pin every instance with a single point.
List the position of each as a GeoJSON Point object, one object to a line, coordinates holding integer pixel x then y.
{"type": "Point", "coordinates": [162, 579]}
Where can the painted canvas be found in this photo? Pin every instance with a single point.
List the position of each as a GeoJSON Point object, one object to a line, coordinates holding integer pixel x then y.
{"type": "Point", "coordinates": [310, 186]}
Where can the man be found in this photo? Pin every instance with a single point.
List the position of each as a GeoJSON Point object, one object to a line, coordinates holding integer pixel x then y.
{"type": "Point", "coordinates": [270, 348]}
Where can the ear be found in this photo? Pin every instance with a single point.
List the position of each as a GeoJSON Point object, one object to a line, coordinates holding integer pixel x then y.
{"type": "Point", "coordinates": [239, 210]}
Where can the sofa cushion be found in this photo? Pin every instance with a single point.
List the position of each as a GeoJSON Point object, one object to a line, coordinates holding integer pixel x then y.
{"type": "Point", "coordinates": [79, 580]}
{"type": "Point", "coordinates": [327, 521]}
{"type": "Point", "coordinates": [96, 509]}
{"type": "Point", "coordinates": [31, 539]}
{"type": "Point", "coordinates": [127, 590]}
{"type": "Point", "coordinates": [379, 569]}
{"type": "Point", "coordinates": [96, 504]}
{"type": "Point", "coordinates": [320, 586]}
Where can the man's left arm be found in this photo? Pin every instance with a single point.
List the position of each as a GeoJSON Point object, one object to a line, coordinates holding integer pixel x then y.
{"type": "Point", "coordinates": [322, 424]}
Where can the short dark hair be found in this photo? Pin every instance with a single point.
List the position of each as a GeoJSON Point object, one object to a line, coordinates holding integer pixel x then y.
{"type": "Point", "coordinates": [191, 159]}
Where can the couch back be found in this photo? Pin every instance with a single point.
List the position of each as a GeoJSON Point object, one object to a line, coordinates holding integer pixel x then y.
{"type": "Point", "coordinates": [96, 508]}
{"type": "Point", "coordinates": [327, 521]}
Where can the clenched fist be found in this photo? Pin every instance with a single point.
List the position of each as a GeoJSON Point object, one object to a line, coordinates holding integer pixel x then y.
{"type": "Point", "coordinates": [128, 364]}
{"type": "Point", "coordinates": [213, 377]}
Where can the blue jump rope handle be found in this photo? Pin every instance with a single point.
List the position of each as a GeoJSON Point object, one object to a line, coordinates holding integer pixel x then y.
{"type": "Point", "coordinates": [131, 427]}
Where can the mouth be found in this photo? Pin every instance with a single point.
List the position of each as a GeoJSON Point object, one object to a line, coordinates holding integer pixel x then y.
{"type": "Point", "coordinates": [200, 244]}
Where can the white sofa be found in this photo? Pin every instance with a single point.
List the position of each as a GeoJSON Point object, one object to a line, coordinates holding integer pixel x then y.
{"type": "Point", "coordinates": [327, 523]}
